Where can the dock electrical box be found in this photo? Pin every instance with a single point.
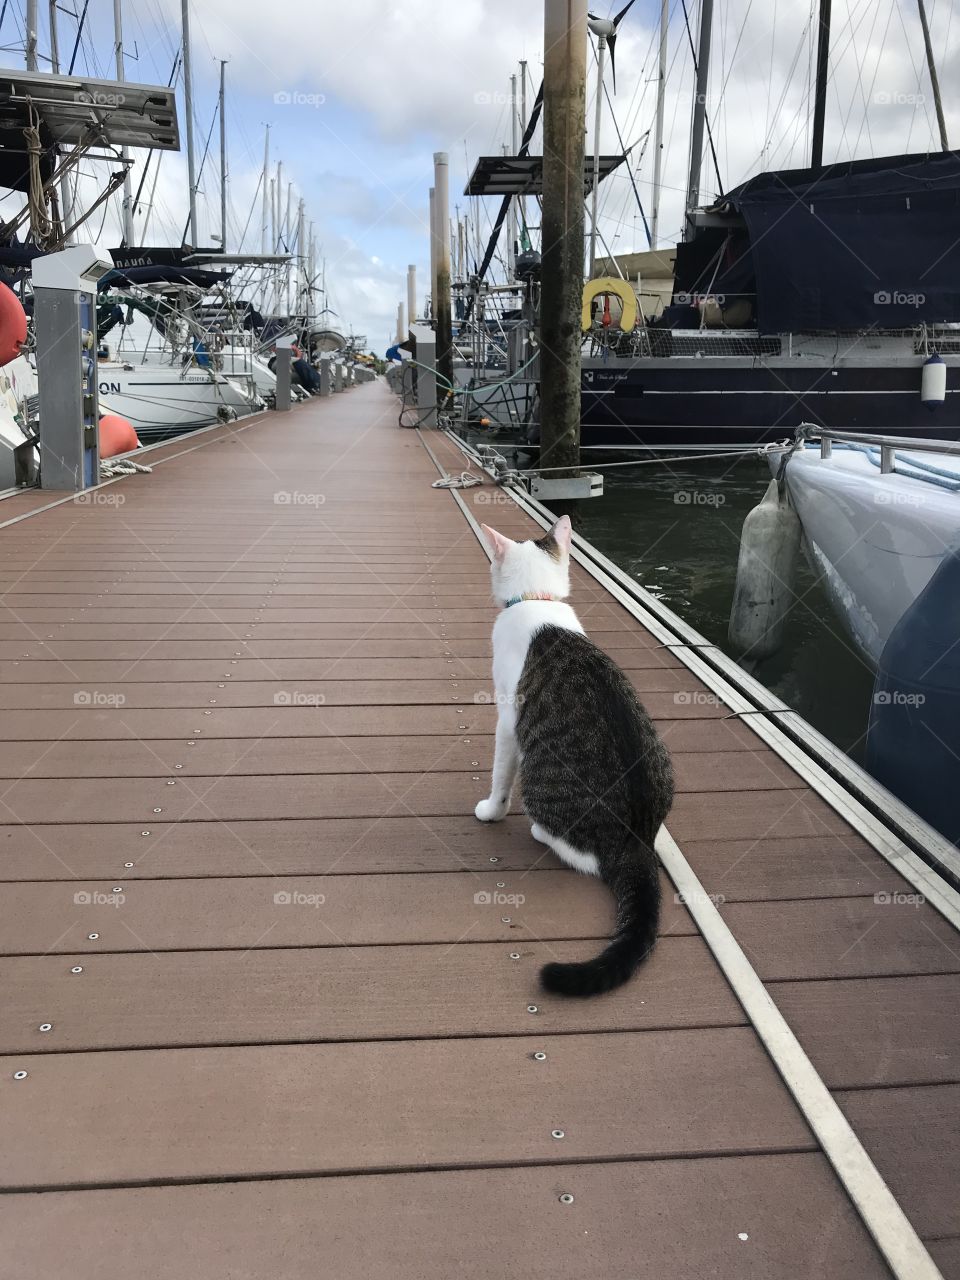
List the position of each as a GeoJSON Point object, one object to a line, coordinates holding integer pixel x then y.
{"type": "Point", "coordinates": [65, 322]}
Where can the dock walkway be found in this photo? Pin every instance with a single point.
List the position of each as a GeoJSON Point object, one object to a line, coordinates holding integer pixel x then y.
{"type": "Point", "coordinates": [268, 993]}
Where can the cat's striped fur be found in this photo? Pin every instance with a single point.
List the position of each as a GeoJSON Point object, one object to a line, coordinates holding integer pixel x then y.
{"type": "Point", "coordinates": [595, 777]}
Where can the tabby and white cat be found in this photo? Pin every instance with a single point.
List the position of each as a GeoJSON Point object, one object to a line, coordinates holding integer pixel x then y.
{"type": "Point", "coordinates": [595, 777]}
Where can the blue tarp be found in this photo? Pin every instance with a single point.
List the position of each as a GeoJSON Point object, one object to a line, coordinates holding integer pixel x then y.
{"type": "Point", "coordinates": [868, 243]}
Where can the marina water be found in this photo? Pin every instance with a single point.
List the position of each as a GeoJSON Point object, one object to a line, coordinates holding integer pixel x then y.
{"type": "Point", "coordinates": [675, 528]}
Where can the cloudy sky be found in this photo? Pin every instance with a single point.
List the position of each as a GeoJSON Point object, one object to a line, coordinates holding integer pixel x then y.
{"type": "Point", "coordinates": [360, 95]}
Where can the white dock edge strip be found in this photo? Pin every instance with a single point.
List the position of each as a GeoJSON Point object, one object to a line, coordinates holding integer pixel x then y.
{"type": "Point", "coordinates": [892, 1232]}
{"type": "Point", "coordinates": [883, 1217]}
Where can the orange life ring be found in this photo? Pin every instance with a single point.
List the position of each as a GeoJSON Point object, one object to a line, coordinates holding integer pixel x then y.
{"type": "Point", "coordinates": [116, 435]}
{"type": "Point", "coordinates": [13, 325]}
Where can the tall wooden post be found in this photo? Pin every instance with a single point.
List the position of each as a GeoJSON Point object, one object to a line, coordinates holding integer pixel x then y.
{"type": "Point", "coordinates": [441, 179]}
{"type": "Point", "coordinates": [564, 120]}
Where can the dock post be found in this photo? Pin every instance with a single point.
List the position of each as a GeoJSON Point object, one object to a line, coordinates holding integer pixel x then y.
{"type": "Point", "coordinates": [425, 373]}
{"type": "Point", "coordinates": [411, 295]}
{"type": "Point", "coordinates": [441, 179]}
{"type": "Point", "coordinates": [325, 378]}
{"type": "Point", "coordinates": [564, 121]}
{"type": "Point", "coordinates": [338, 376]}
{"type": "Point", "coordinates": [433, 257]}
{"type": "Point", "coordinates": [65, 317]}
{"type": "Point", "coordinates": [282, 371]}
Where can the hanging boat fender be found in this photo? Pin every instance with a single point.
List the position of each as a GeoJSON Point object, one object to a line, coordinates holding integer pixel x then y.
{"type": "Point", "coordinates": [116, 435]}
{"type": "Point", "coordinates": [13, 325]}
{"type": "Point", "coordinates": [769, 550]}
{"type": "Point", "coordinates": [609, 284]}
{"type": "Point", "coordinates": [933, 382]}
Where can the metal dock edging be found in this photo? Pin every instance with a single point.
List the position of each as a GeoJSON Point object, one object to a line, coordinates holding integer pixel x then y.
{"type": "Point", "coordinates": [841, 783]}
{"type": "Point", "coordinates": [889, 1227]}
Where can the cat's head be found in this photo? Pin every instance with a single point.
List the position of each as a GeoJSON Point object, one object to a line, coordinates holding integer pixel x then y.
{"type": "Point", "coordinates": [531, 568]}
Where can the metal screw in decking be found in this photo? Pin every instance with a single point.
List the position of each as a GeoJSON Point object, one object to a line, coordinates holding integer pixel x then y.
{"type": "Point", "coordinates": [540, 1056]}
{"type": "Point", "coordinates": [92, 937]}
{"type": "Point", "coordinates": [504, 919]}
{"type": "Point", "coordinates": [20, 1075]}
{"type": "Point", "coordinates": [532, 1008]}
{"type": "Point", "coordinates": [566, 1198]}
{"type": "Point", "coordinates": [128, 864]}
{"type": "Point", "coordinates": [514, 955]}
{"type": "Point", "coordinates": [45, 1026]}
{"type": "Point", "coordinates": [77, 968]}
{"type": "Point", "coordinates": [557, 1133]}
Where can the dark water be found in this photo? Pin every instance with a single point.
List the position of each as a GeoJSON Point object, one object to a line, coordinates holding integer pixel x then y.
{"type": "Point", "coordinates": [676, 530]}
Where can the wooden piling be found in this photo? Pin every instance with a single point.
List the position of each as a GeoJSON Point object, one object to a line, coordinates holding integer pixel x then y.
{"type": "Point", "coordinates": [441, 180]}
{"type": "Point", "coordinates": [564, 117]}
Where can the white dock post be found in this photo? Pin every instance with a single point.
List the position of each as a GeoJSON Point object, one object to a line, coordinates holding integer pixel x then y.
{"type": "Point", "coordinates": [411, 295]}
{"type": "Point", "coordinates": [425, 373]}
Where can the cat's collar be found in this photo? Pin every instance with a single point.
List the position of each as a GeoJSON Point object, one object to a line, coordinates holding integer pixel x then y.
{"type": "Point", "coordinates": [528, 595]}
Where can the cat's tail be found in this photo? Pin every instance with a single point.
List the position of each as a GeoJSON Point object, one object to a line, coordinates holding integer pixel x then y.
{"type": "Point", "coordinates": [636, 886]}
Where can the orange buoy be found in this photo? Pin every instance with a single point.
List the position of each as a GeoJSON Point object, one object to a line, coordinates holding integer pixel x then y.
{"type": "Point", "coordinates": [13, 325]}
{"type": "Point", "coordinates": [116, 436]}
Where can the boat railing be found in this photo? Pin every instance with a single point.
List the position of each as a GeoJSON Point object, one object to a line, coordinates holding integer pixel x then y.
{"type": "Point", "coordinates": [888, 445]}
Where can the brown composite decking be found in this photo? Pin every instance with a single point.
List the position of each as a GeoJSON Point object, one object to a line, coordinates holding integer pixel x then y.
{"type": "Point", "coordinates": [242, 741]}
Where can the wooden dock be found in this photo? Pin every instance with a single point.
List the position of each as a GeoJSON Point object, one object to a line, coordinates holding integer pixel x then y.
{"type": "Point", "coordinates": [268, 996]}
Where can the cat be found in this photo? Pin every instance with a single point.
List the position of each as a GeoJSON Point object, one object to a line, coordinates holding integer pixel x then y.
{"type": "Point", "coordinates": [595, 777]}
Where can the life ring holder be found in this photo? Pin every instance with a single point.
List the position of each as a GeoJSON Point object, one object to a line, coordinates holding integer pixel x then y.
{"type": "Point", "coordinates": [610, 284]}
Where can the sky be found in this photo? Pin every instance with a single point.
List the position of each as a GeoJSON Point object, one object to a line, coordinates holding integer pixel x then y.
{"type": "Point", "coordinates": [360, 95]}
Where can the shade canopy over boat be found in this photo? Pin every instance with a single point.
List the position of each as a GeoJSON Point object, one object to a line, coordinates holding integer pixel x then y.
{"type": "Point", "coordinates": [867, 243]}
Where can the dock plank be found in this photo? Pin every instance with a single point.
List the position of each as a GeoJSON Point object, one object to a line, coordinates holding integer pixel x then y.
{"type": "Point", "coordinates": [322, 1108]}
{"type": "Point", "coordinates": [165, 999]}
{"type": "Point", "coordinates": [318, 911]}
{"type": "Point", "coordinates": [509, 1223]}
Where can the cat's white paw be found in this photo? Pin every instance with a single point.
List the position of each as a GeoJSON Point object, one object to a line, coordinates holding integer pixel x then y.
{"type": "Point", "coordinates": [490, 810]}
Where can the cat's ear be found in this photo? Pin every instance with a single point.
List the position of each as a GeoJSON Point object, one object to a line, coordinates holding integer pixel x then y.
{"type": "Point", "coordinates": [561, 533]}
{"type": "Point", "coordinates": [498, 543]}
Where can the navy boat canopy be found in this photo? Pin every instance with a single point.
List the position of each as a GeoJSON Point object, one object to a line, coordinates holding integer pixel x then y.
{"type": "Point", "coordinates": [866, 243]}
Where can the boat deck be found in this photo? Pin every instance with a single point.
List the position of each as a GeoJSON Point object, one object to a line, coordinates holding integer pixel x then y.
{"type": "Point", "coordinates": [268, 992]}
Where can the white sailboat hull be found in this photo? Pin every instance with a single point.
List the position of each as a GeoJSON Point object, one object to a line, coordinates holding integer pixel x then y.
{"type": "Point", "coordinates": [876, 538]}
{"type": "Point", "coordinates": [160, 400]}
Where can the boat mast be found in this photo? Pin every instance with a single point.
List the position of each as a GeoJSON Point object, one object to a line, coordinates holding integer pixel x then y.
{"type": "Point", "coordinates": [522, 200]}
{"type": "Point", "coordinates": [287, 246]}
{"type": "Point", "coordinates": [514, 144]}
{"type": "Point", "coordinates": [699, 109]}
{"type": "Point", "coordinates": [31, 36]}
{"type": "Point", "coordinates": [301, 307]}
{"type": "Point", "coordinates": [934, 79]}
{"type": "Point", "coordinates": [127, 207]}
{"type": "Point", "coordinates": [223, 157]}
{"type": "Point", "coordinates": [66, 204]}
{"type": "Point", "coordinates": [188, 108]}
{"type": "Point", "coordinates": [264, 214]}
{"type": "Point", "coordinates": [595, 194]}
{"type": "Point", "coordinates": [658, 127]}
{"type": "Point", "coordinates": [820, 98]}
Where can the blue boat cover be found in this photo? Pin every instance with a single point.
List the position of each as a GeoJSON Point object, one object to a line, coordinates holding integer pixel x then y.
{"type": "Point", "coordinates": [866, 243]}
